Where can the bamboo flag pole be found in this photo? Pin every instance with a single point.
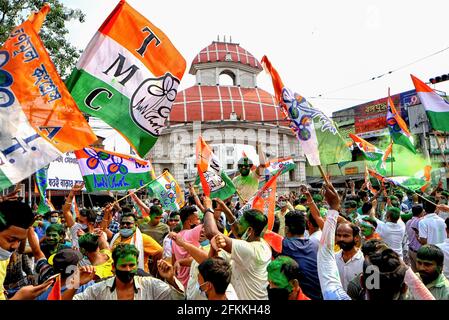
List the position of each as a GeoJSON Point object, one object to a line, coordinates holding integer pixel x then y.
{"type": "Point", "coordinates": [129, 194]}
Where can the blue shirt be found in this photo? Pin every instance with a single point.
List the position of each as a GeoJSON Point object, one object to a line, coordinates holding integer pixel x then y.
{"type": "Point", "coordinates": [44, 296]}
{"type": "Point", "coordinates": [304, 252]}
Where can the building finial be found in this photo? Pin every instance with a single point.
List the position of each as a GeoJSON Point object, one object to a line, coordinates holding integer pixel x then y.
{"type": "Point", "coordinates": [230, 39]}
{"type": "Point", "coordinates": [224, 37]}
{"type": "Point", "coordinates": [218, 38]}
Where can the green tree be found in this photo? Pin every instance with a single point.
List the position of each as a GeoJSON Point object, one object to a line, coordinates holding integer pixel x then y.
{"type": "Point", "coordinates": [53, 32]}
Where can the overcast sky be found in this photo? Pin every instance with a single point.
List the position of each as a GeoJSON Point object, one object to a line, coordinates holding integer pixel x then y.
{"type": "Point", "coordinates": [317, 46]}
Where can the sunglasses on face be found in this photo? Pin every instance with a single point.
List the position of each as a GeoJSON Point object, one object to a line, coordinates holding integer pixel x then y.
{"type": "Point", "coordinates": [171, 220]}
{"type": "Point", "coordinates": [126, 224]}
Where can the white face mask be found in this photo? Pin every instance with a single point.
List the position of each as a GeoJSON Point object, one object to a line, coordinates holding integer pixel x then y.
{"type": "Point", "coordinates": [202, 293]}
{"type": "Point", "coordinates": [54, 219]}
{"type": "Point", "coordinates": [245, 235]}
{"type": "Point", "coordinates": [4, 254]}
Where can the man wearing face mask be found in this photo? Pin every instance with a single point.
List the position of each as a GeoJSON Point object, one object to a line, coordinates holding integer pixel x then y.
{"type": "Point", "coordinates": [15, 219]}
{"type": "Point", "coordinates": [249, 256]}
{"type": "Point", "coordinates": [214, 276]}
{"type": "Point", "coordinates": [429, 263]}
{"type": "Point", "coordinates": [283, 276]}
{"type": "Point", "coordinates": [191, 233]}
{"type": "Point", "coordinates": [147, 246]}
{"type": "Point", "coordinates": [350, 257]}
{"type": "Point", "coordinates": [283, 205]}
{"type": "Point", "coordinates": [127, 285]}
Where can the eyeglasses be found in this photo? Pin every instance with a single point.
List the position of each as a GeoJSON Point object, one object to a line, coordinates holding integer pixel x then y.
{"type": "Point", "coordinates": [126, 224]}
{"type": "Point", "coordinates": [171, 220]}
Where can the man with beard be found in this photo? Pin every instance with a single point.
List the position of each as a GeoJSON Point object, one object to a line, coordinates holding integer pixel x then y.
{"type": "Point", "coordinates": [247, 183]}
{"type": "Point", "coordinates": [350, 257]}
{"type": "Point", "coordinates": [150, 251]}
{"type": "Point", "coordinates": [429, 263]}
{"type": "Point", "coordinates": [126, 285]}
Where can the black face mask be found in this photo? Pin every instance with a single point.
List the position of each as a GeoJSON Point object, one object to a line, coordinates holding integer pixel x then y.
{"type": "Point", "coordinates": [125, 276]}
{"type": "Point", "coordinates": [277, 293]}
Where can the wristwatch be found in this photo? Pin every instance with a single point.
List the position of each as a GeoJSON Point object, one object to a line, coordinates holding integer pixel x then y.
{"type": "Point", "coordinates": [209, 210]}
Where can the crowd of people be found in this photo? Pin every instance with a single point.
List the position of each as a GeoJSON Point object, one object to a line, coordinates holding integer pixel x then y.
{"type": "Point", "coordinates": [375, 244]}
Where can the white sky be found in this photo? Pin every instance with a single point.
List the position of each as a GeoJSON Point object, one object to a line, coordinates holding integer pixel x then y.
{"type": "Point", "coordinates": [316, 46]}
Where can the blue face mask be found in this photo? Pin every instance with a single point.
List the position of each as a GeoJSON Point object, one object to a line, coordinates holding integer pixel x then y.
{"type": "Point", "coordinates": [202, 293]}
{"type": "Point", "coordinates": [126, 233]}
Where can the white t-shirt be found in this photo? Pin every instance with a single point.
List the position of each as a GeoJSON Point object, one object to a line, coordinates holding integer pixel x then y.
{"type": "Point", "coordinates": [445, 248]}
{"type": "Point", "coordinates": [249, 261]}
{"type": "Point", "coordinates": [432, 228]}
{"type": "Point", "coordinates": [316, 236]}
{"type": "Point", "coordinates": [350, 269]}
{"type": "Point", "coordinates": [166, 244]}
{"type": "Point", "coordinates": [394, 235]}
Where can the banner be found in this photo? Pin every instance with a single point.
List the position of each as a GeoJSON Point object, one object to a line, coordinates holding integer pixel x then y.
{"type": "Point", "coordinates": [106, 170]}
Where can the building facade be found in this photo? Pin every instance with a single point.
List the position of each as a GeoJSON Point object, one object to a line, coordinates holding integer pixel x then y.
{"type": "Point", "coordinates": [231, 112]}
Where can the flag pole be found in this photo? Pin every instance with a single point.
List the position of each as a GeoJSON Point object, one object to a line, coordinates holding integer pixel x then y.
{"type": "Point", "coordinates": [391, 157]}
{"type": "Point", "coordinates": [323, 174]}
{"type": "Point", "coordinates": [129, 194]}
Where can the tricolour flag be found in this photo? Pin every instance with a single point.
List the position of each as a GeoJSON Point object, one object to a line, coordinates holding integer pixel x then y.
{"type": "Point", "coordinates": [274, 166]}
{"type": "Point", "coordinates": [168, 191]}
{"type": "Point", "coordinates": [437, 108]}
{"type": "Point", "coordinates": [264, 200]}
{"type": "Point", "coordinates": [42, 184]}
{"type": "Point", "coordinates": [398, 128]}
{"type": "Point", "coordinates": [317, 134]}
{"type": "Point", "coordinates": [214, 181]}
{"type": "Point", "coordinates": [38, 117]}
{"type": "Point", "coordinates": [106, 170]}
{"type": "Point", "coordinates": [128, 76]}
{"type": "Point", "coordinates": [370, 151]}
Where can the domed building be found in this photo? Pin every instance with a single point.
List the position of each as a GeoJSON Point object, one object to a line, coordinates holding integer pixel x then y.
{"type": "Point", "coordinates": [228, 109]}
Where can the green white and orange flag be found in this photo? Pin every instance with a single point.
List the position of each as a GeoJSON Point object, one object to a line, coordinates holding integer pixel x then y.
{"type": "Point", "coordinates": [168, 191]}
{"type": "Point", "coordinates": [106, 170]}
{"type": "Point", "coordinates": [264, 200]}
{"type": "Point", "coordinates": [370, 151]}
{"type": "Point", "coordinates": [437, 108]}
{"type": "Point", "coordinates": [398, 128]}
{"type": "Point", "coordinates": [214, 181]}
{"type": "Point", "coordinates": [39, 119]}
{"type": "Point", "coordinates": [128, 76]}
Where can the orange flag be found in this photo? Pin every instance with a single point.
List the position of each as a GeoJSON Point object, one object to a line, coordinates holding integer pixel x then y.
{"type": "Point", "coordinates": [55, 293]}
{"type": "Point", "coordinates": [39, 92]}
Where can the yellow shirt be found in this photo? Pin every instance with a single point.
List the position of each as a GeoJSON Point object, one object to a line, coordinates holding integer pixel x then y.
{"type": "Point", "coordinates": [104, 270]}
{"type": "Point", "coordinates": [3, 267]}
{"type": "Point", "coordinates": [150, 247]}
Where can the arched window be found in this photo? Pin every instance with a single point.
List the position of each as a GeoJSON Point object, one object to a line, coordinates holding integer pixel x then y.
{"type": "Point", "coordinates": [227, 78]}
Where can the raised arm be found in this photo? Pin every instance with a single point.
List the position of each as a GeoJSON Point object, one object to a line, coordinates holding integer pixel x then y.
{"type": "Point", "coordinates": [68, 204]}
{"type": "Point", "coordinates": [195, 197]}
{"type": "Point", "coordinates": [233, 222]}
{"type": "Point", "coordinates": [331, 286]}
{"type": "Point", "coordinates": [34, 245]}
{"type": "Point", "coordinates": [139, 202]}
{"type": "Point", "coordinates": [211, 229]}
{"type": "Point", "coordinates": [314, 211]}
{"type": "Point", "coordinates": [197, 253]}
